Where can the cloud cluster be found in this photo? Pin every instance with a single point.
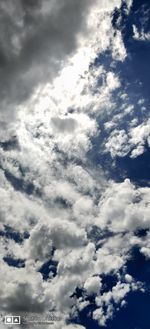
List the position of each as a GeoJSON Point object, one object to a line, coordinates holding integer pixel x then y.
{"type": "Point", "coordinates": [35, 40]}
{"type": "Point", "coordinates": [108, 299]}
{"type": "Point", "coordinates": [129, 214]}
{"type": "Point", "coordinates": [121, 143]}
{"type": "Point", "coordinates": [50, 191]}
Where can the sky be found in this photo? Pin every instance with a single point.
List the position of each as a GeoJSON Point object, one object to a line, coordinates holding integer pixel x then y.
{"type": "Point", "coordinates": [75, 162]}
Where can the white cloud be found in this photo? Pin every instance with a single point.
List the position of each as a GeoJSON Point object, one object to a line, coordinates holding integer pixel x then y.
{"type": "Point", "coordinates": [139, 136]}
{"type": "Point", "coordinates": [120, 142]}
{"type": "Point", "coordinates": [22, 290]}
{"type": "Point", "coordinates": [129, 214]}
{"type": "Point", "coordinates": [129, 4]}
{"type": "Point", "coordinates": [106, 301]}
{"type": "Point", "coordinates": [92, 285]}
{"type": "Point", "coordinates": [59, 234]}
{"type": "Point", "coordinates": [140, 35]}
{"type": "Point", "coordinates": [117, 143]}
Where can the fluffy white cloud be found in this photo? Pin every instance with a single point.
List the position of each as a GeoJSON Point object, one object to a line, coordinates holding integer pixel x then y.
{"type": "Point", "coordinates": [115, 296]}
{"type": "Point", "coordinates": [117, 143]}
{"type": "Point", "coordinates": [128, 214]}
{"type": "Point", "coordinates": [92, 285]}
{"type": "Point", "coordinates": [59, 234]}
{"type": "Point", "coordinates": [120, 142]}
{"type": "Point", "coordinates": [22, 290]}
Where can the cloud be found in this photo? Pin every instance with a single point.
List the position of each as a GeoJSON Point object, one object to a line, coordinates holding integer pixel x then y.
{"type": "Point", "coordinates": [67, 125]}
{"type": "Point", "coordinates": [108, 299]}
{"type": "Point", "coordinates": [32, 53]}
{"type": "Point", "coordinates": [59, 234]}
{"type": "Point", "coordinates": [130, 214]}
{"type": "Point", "coordinates": [121, 143]}
{"type": "Point", "coordinates": [23, 290]}
{"type": "Point", "coordinates": [73, 326]}
{"type": "Point", "coordinates": [140, 35]}
{"type": "Point", "coordinates": [117, 143]}
{"type": "Point", "coordinates": [92, 285]}
{"type": "Point", "coordinates": [118, 50]}
{"type": "Point", "coordinates": [72, 215]}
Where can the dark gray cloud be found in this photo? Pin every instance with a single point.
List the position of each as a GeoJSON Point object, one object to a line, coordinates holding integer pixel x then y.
{"type": "Point", "coordinates": [35, 38]}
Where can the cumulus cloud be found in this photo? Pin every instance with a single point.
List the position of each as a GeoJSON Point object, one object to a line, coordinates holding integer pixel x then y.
{"type": "Point", "coordinates": [115, 296]}
{"type": "Point", "coordinates": [58, 234]}
{"type": "Point", "coordinates": [129, 214]}
{"type": "Point", "coordinates": [23, 290]}
{"type": "Point", "coordinates": [120, 142]}
{"type": "Point", "coordinates": [92, 285]}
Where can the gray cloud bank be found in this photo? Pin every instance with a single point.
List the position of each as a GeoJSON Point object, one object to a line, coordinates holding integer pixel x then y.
{"type": "Point", "coordinates": [35, 38]}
